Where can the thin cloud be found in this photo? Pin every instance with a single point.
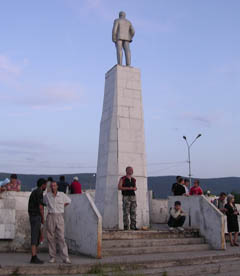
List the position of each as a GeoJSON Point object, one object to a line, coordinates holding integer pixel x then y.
{"type": "Point", "coordinates": [57, 94]}
{"type": "Point", "coordinates": [23, 144]}
{"type": "Point", "coordinates": [204, 120]}
{"type": "Point", "coordinates": [57, 97]}
{"type": "Point", "coordinates": [8, 67]}
{"type": "Point", "coordinates": [147, 24]}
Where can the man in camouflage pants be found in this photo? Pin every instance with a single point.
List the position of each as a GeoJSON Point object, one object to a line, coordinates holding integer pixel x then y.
{"type": "Point", "coordinates": [127, 184]}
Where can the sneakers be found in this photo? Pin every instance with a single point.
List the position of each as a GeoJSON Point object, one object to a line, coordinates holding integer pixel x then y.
{"type": "Point", "coordinates": [171, 229]}
{"type": "Point", "coordinates": [67, 261]}
{"type": "Point", "coordinates": [181, 229]}
{"type": "Point", "coordinates": [35, 260]}
{"type": "Point", "coordinates": [52, 260]}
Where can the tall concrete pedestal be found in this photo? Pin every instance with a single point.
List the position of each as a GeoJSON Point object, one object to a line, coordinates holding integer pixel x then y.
{"type": "Point", "coordinates": [121, 144]}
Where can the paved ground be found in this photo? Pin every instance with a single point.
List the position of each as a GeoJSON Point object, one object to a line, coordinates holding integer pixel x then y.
{"type": "Point", "coordinates": [22, 259]}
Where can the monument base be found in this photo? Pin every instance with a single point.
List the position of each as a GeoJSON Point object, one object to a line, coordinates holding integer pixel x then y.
{"type": "Point", "coordinates": [121, 144]}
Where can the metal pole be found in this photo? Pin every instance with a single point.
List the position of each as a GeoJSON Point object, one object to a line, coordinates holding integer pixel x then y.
{"type": "Point", "coordinates": [189, 167]}
{"type": "Point", "coordinates": [189, 157]}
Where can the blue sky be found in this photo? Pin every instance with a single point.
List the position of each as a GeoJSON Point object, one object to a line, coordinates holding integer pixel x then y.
{"type": "Point", "coordinates": [53, 58]}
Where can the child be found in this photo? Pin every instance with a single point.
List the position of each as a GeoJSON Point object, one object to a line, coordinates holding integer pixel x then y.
{"type": "Point", "coordinates": [177, 217]}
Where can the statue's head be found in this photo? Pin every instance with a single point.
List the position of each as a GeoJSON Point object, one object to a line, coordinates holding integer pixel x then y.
{"type": "Point", "coordinates": [122, 14]}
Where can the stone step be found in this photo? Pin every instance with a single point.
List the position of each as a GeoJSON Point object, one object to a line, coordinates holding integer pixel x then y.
{"type": "Point", "coordinates": [131, 235]}
{"type": "Point", "coordinates": [153, 249]}
{"type": "Point", "coordinates": [227, 268]}
{"type": "Point", "coordinates": [150, 242]}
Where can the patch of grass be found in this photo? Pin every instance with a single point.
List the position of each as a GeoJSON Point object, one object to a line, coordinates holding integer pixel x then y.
{"type": "Point", "coordinates": [96, 269]}
{"type": "Point", "coordinates": [165, 273]}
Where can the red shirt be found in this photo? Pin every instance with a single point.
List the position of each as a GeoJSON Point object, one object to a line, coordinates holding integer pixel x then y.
{"type": "Point", "coordinates": [76, 187]}
{"type": "Point", "coordinates": [196, 191]}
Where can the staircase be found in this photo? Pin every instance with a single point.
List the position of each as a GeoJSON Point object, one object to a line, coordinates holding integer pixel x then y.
{"type": "Point", "coordinates": [160, 252]}
{"type": "Point", "coordinates": [138, 253]}
{"type": "Point", "coordinates": [122, 243]}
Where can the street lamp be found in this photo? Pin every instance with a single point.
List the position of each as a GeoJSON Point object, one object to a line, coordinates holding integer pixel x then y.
{"type": "Point", "coordinates": [189, 157]}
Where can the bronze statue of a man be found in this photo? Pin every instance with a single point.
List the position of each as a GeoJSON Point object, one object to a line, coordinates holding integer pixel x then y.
{"type": "Point", "coordinates": [122, 35]}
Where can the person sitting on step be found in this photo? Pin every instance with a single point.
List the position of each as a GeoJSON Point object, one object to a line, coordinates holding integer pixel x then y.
{"type": "Point", "coordinates": [177, 217]}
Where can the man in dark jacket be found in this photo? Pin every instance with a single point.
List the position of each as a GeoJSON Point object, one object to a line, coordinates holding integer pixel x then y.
{"type": "Point", "coordinates": [36, 217]}
{"type": "Point", "coordinates": [179, 189]}
{"type": "Point", "coordinates": [62, 184]}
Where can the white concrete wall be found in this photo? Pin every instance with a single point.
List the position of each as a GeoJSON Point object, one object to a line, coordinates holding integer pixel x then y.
{"type": "Point", "coordinates": [205, 216]}
{"type": "Point", "coordinates": [83, 226]}
{"type": "Point", "coordinates": [7, 218]}
{"type": "Point", "coordinates": [21, 239]}
{"type": "Point", "coordinates": [158, 210]}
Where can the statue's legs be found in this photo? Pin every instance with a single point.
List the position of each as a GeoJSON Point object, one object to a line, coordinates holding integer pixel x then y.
{"type": "Point", "coordinates": [127, 51]}
{"type": "Point", "coordinates": [119, 45]}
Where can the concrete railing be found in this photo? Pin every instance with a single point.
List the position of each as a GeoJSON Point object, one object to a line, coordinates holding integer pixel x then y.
{"type": "Point", "coordinates": [158, 209]}
{"type": "Point", "coordinates": [205, 216]}
{"type": "Point", "coordinates": [83, 226]}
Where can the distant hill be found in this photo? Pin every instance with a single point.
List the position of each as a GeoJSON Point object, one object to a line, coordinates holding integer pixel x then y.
{"type": "Point", "coordinates": [160, 185]}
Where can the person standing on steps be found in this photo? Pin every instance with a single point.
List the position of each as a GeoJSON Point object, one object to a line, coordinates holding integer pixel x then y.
{"type": "Point", "coordinates": [127, 184]}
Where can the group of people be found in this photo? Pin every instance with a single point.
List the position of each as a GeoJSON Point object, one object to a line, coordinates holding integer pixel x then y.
{"type": "Point", "coordinates": [14, 185]}
{"type": "Point", "coordinates": [74, 188]}
{"type": "Point", "coordinates": [55, 201]}
{"type": "Point", "coordinates": [51, 195]}
{"type": "Point", "coordinates": [181, 187]}
{"type": "Point", "coordinates": [225, 203]}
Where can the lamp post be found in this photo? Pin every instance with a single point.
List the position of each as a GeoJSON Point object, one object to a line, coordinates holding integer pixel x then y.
{"type": "Point", "coordinates": [189, 157]}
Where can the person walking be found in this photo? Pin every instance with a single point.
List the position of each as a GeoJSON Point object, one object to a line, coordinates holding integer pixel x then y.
{"type": "Point", "coordinates": [55, 202]}
{"type": "Point", "coordinates": [36, 217]}
{"type": "Point", "coordinates": [76, 187]}
{"type": "Point", "coordinates": [232, 220]}
{"type": "Point", "coordinates": [127, 184]}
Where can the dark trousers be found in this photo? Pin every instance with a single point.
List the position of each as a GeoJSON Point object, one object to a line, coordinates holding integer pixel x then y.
{"type": "Point", "coordinates": [35, 222]}
{"type": "Point", "coordinates": [176, 222]}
